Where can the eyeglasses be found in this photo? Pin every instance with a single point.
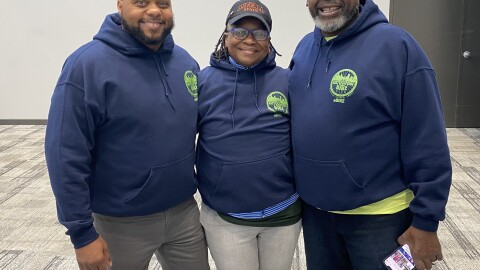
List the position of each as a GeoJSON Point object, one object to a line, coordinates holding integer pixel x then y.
{"type": "Point", "coordinates": [242, 33]}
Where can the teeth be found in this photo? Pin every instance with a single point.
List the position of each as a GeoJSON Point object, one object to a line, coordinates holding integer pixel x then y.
{"type": "Point", "coordinates": [153, 24]}
{"type": "Point", "coordinates": [329, 9]}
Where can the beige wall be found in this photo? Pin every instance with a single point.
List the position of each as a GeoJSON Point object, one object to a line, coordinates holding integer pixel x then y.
{"type": "Point", "coordinates": [38, 36]}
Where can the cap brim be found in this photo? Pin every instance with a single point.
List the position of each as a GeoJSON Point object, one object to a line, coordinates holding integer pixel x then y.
{"type": "Point", "coordinates": [237, 18]}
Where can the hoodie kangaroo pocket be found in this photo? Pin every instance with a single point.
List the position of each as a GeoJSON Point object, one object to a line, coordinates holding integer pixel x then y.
{"type": "Point", "coordinates": [326, 184]}
{"type": "Point", "coordinates": [166, 185]}
{"type": "Point", "coordinates": [253, 185]}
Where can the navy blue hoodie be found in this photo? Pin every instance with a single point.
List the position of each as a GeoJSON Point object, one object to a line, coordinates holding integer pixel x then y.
{"type": "Point", "coordinates": [367, 120]}
{"type": "Point", "coordinates": [244, 162]}
{"type": "Point", "coordinates": [121, 130]}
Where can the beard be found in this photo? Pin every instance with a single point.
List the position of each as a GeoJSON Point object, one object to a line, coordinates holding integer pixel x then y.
{"type": "Point", "coordinates": [136, 32]}
{"type": "Point", "coordinates": [332, 26]}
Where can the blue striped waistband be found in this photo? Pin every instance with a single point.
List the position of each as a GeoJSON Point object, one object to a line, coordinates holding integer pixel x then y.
{"type": "Point", "coordinates": [272, 210]}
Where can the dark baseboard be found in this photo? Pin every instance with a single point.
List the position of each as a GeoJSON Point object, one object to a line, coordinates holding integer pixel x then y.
{"type": "Point", "coordinates": [23, 121]}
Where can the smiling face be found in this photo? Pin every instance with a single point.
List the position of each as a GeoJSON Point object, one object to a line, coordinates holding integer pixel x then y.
{"type": "Point", "coordinates": [247, 52]}
{"type": "Point", "coordinates": [149, 21]}
{"type": "Point", "coordinates": [333, 16]}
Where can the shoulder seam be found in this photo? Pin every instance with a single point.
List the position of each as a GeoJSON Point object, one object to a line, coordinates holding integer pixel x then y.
{"type": "Point", "coordinates": [418, 70]}
{"type": "Point", "coordinates": [78, 87]}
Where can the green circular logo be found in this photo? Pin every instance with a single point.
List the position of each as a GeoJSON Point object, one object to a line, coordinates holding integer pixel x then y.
{"type": "Point", "coordinates": [191, 83]}
{"type": "Point", "coordinates": [343, 84]}
{"type": "Point", "coordinates": [277, 103]}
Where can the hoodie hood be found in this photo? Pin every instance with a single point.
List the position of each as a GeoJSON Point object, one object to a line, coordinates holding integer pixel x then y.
{"type": "Point", "coordinates": [112, 33]}
{"type": "Point", "coordinates": [369, 16]}
{"type": "Point", "coordinates": [224, 64]}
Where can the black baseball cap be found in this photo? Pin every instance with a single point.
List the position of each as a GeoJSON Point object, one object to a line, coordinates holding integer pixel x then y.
{"type": "Point", "coordinates": [250, 8]}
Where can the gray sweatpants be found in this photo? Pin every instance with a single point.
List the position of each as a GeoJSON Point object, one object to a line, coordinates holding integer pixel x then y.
{"type": "Point", "coordinates": [237, 247]}
{"type": "Point", "coordinates": [175, 236]}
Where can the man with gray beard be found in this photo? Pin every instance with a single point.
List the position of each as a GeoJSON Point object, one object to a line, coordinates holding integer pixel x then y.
{"type": "Point", "coordinates": [120, 145]}
{"type": "Point", "coordinates": [371, 158]}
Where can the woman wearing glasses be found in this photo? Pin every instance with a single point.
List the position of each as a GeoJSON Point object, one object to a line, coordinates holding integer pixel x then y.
{"type": "Point", "coordinates": [250, 212]}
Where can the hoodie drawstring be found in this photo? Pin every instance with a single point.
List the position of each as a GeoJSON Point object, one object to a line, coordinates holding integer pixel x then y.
{"type": "Point", "coordinates": [328, 59]}
{"type": "Point", "coordinates": [313, 67]}
{"type": "Point", "coordinates": [316, 60]}
{"type": "Point", "coordinates": [255, 90]}
{"type": "Point", "coordinates": [164, 80]}
{"type": "Point", "coordinates": [233, 100]}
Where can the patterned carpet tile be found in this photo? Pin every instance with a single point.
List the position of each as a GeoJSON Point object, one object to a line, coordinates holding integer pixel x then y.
{"type": "Point", "coordinates": [32, 238]}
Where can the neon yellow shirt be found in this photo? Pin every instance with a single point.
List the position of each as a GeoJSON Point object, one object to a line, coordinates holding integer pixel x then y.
{"type": "Point", "coordinates": [329, 38]}
{"type": "Point", "coordinates": [390, 205]}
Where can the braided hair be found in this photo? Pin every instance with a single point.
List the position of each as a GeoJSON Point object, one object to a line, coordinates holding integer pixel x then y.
{"type": "Point", "coordinates": [221, 52]}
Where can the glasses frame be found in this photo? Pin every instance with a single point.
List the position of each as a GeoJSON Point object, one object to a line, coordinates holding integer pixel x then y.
{"type": "Point", "coordinates": [250, 32]}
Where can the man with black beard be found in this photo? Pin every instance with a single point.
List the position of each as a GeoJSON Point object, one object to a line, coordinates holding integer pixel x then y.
{"type": "Point", "coordinates": [120, 145]}
{"type": "Point", "coordinates": [371, 158]}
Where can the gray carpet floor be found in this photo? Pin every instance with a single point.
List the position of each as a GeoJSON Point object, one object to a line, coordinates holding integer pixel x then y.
{"type": "Point", "coordinates": [32, 238]}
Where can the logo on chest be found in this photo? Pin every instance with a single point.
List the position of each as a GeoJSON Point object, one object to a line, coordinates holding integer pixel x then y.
{"type": "Point", "coordinates": [343, 85]}
{"type": "Point", "coordinates": [277, 103]}
{"type": "Point", "coordinates": [191, 83]}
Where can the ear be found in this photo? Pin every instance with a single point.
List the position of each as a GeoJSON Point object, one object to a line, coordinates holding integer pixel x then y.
{"type": "Point", "coordinates": [225, 38]}
{"type": "Point", "coordinates": [120, 6]}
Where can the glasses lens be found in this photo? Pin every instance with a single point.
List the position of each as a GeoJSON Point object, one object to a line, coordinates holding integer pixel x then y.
{"type": "Point", "coordinates": [240, 33]}
{"type": "Point", "coordinates": [260, 34]}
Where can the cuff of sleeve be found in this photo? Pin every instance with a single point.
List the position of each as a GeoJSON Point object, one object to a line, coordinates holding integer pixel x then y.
{"type": "Point", "coordinates": [425, 224]}
{"type": "Point", "coordinates": [83, 237]}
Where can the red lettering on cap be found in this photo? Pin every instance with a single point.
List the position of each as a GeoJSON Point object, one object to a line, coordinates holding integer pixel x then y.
{"type": "Point", "coordinates": [251, 7]}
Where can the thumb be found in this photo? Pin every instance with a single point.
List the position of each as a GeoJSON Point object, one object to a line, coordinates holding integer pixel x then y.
{"type": "Point", "coordinates": [406, 237]}
{"type": "Point", "coordinates": [107, 257]}
{"type": "Point", "coordinates": [402, 240]}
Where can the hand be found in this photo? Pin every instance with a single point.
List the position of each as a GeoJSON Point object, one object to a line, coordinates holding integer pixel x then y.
{"type": "Point", "coordinates": [94, 256]}
{"type": "Point", "coordinates": [424, 245]}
